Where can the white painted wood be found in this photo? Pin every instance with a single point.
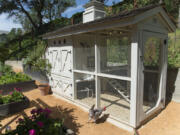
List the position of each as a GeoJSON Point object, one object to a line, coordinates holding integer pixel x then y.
{"type": "Point", "coordinates": [66, 62]}
{"type": "Point", "coordinates": [155, 11]}
{"type": "Point", "coordinates": [60, 58]}
{"type": "Point", "coordinates": [61, 85]}
{"type": "Point", "coordinates": [97, 69]}
{"type": "Point", "coordinates": [93, 12]}
{"type": "Point", "coordinates": [83, 72]}
{"type": "Point", "coordinates": [98, 92]}
{"type": "Point", "coordinates": [165, 65]}
{"type": "Point", "coordinates": [74, 86]}
{"type": "Point", "coordinates": [119, 23]}
{"type": "Point", "coordinates": [134, 77]}
{"type": "Point", "coordinates": [142, 114]}
{"type": "Point", "coordinates": [114, 76]}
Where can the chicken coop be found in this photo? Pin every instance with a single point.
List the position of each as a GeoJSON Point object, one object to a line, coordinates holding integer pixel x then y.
{"type": "Point", "coordinates": [115, 61]}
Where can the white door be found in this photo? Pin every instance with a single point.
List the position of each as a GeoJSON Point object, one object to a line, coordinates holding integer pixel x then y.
{"type": "Point", "coordinates": [60, 79]}
{"type": "Point", "coordinates": [66, 63]}
{"type": "Point", "coordinates": [53, 55]}
{"type": "Point", "coordinates": [153, 76]}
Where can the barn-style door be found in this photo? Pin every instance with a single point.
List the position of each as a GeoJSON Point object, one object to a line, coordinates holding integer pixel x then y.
{"type": "Point", "coordinates": [60, 79]}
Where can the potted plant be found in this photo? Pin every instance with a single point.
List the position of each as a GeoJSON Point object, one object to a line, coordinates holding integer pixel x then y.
{"type": "Point", "coordinates": [13, 103]}
{"type": "Point", "coordinates": [40, 123]}
{"type": "Point", "coordinates": [38, 68]}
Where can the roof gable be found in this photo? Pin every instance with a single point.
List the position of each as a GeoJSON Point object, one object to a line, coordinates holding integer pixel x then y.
{"type": "Point", "coordinates": [158, 11]}
{"type": "Point", "coordinates": [123, 19]}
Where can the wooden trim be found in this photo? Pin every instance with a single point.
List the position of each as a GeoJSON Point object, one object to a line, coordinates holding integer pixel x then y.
{"type": "Point", "coordinates": [97, 69]}
{"type": "Point", "coordinates": [74, 86]}
{"type": "Point", "coordinates": [154, 11]}
{"type": "Point", "coordinates": [114, 77]}
{"type": "Point", "coordinates": [134, 80]}
{"type": "Point", "coordinates": [143, 115]}
{"type": "Point", "coordinates": [116, 23]}
{"type": "Point", "coordinates": [83, 72]}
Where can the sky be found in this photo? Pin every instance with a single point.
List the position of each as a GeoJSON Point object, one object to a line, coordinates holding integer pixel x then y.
{"type": "Point", "coordinates": [7, 23]}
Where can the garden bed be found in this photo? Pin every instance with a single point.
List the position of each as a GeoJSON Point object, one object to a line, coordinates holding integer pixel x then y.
{"type": "Point", "coordinates": [14, 107]}
{"type": "Point", "coordinates": [40, 123]}
{"type": "Point", "coordinates": [28, 85]}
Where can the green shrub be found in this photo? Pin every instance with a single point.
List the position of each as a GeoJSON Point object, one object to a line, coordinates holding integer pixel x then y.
{"type": "Point", "coordinates": [174, 50]}
{"type": "Point", "coordinates": [14, 96]}
{"type": "Point", "coordinates": [5, 68]}
{"type": "Point", "coordinates": [39, 123]}
{"type": "Point", "coordinates": [36, 60]}
{"type": "Point", "coordinates": [13, 78]}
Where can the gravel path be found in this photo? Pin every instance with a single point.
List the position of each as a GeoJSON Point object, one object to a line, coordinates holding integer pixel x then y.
{"type": "Point", "coordinates": [166, 123]}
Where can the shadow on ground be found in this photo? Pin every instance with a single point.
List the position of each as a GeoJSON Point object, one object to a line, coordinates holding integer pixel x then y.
{"type": "Point", "coordinates": [64, 114]}
{"type": "Point", "coordinates": [102, 119]}
{"type": "Point", "coordinates": [24, 86]}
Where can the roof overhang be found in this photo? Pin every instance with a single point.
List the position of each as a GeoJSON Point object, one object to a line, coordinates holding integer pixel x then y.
{"type": "Point", "coordinates": [112, 22]}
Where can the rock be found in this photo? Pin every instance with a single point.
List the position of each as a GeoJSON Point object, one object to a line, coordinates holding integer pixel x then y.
{"type": "Point", "coordinates": [69, 132]}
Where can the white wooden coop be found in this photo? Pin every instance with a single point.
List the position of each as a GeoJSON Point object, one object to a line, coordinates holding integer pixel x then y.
{"type": "Point", "coordinates": [116, 61]}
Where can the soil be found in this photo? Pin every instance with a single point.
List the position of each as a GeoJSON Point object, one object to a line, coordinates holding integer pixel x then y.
{"type": "Point", "coordinates": [74, 117]}
{"type": "Point", "coordinates": [166, 123]}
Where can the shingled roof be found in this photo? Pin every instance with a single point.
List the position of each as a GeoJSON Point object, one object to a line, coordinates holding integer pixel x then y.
{"type": "Point", "coordinates": [120, 16]}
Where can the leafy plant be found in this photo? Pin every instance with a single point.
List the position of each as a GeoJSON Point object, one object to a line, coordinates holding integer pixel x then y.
{"type": "Point", "coordinates": [5, 69]}
{"type": "Point", "coordinates": [174, 50]}
{"type": "Point", "coordinates": [14, 96]}
{"type": "Point", "coordinates": [39, 123]}
{"type": "Point", "coordinates": [11, 77]}
{"type": "Point", "coordinates": [35, 59]}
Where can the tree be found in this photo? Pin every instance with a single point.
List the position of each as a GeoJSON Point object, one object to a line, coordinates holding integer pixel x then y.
{"type": "Point", "coordinates": [3, 38]}
{"type": "Point", "coordinates": [172, 6]}
{"type": "Point", "coordinates": [35, 12]}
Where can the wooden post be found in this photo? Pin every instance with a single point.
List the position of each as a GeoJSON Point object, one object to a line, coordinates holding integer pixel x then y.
{"type": "Point", "coordinates": [97, 68]}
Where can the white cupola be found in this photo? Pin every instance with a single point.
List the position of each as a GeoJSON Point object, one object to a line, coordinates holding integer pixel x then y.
{"type": "Point", "coordinates": [93, 10]}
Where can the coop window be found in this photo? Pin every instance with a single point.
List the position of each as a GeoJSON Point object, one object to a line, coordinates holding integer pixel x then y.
{"type": "Point", "coordinates": [115, 55]}
{"type": "Point", "coordinates": [85, 53]}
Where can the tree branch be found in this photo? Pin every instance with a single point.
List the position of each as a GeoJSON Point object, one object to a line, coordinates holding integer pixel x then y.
{"type": "Point", "coordinates": [27, 14]}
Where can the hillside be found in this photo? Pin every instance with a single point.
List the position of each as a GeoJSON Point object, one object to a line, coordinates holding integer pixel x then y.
{"type": "Point", "coordinates": [3, 32]}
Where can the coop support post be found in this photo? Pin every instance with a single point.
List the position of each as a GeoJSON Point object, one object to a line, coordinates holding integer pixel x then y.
{"type": "Point", "coordinates": [97, 69]}
{"type": "Point", "coordinates": [134, 74]}
{"type": "Point", "coordinates": [165, 65]}
{"type": "Point", "coordinates": [74, 86]}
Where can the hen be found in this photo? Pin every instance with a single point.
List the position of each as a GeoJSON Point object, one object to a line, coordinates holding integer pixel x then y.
{"type": "Point", "coordinates": [94, 114]}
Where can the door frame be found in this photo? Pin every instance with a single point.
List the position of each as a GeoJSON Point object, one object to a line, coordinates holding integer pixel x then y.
{"type": "Point", "coordinates": [162, 79]}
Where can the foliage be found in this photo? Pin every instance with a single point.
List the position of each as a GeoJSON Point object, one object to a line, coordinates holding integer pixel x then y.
{"type": "Point", "coordinates": [55, 24]}
{"type": "Point", "coordinates": [3, 38]}
{"type": "Point", "coordinates": [35, 59]}
{"type": "Point", "coordinates": [39, 123]}
{"type": "Point", "coordinates": [5, 69]}
{"type": "Point", "coordinates": [174, 50]}
{"type": "Point", "coordinates": [172, 6]}
{"type": "Point", "coordinates": [34, 12]}
{"type": "Point", "coordinates": [3, 54]}
{"type": "Point", "coordinates": [12, 77]}
{"type": "Point", "coordinates": [77, 18]}
{"type": "Point", "coordinates": [18, 47]}
{"type": "Point", "coordinates": [15, 96]}
{"type": "Point", "coordinates": [117, 50]}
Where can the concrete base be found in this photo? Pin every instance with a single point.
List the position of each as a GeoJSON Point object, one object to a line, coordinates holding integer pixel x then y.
{"type": "Point", "coordinates": [176, 94]}
{"type": "Point", "coordinates": [176, 98]}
